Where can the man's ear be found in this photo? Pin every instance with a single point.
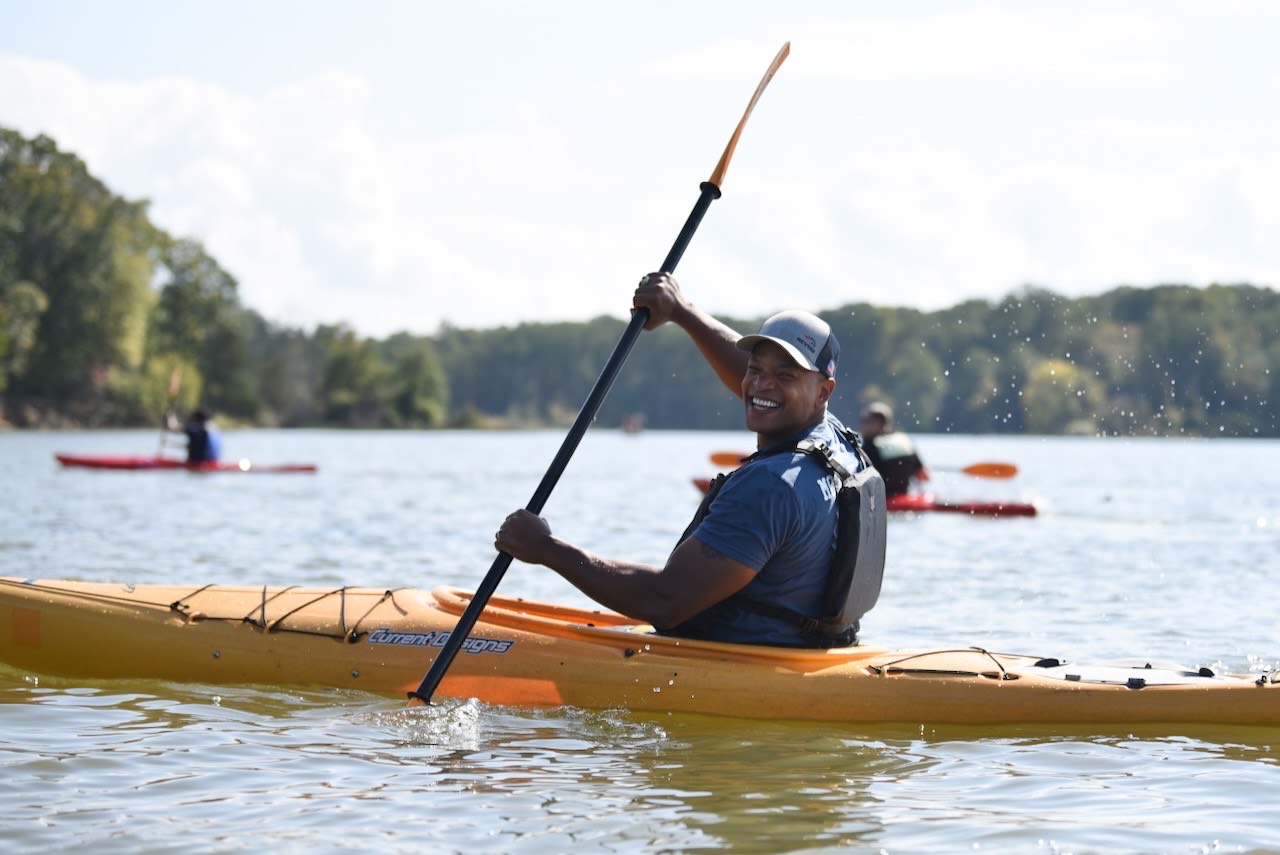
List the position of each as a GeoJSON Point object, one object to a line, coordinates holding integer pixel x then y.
{"type": "Point", "coordinates": [825, 389]}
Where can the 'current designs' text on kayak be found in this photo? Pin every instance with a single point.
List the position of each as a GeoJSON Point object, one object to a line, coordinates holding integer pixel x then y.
{"type": "Point", "coordinates": [473, 644]}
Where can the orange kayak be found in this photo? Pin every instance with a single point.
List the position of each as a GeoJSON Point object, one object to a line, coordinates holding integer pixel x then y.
{"type": "Point", "coordinates": [537, 654]}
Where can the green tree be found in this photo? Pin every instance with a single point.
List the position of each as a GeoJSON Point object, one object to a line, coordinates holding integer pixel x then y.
{"type": "Point", "coordinates": [419, 393]}
{"type": "Point", "coordinates": [1060, 397]}
{"type": "Point", "coordinates": [354, 379]}
{"type": "Point", "coordinates": [85, 339]}
{"type": "Point", "coordinates": [290, 366]}
{"type": "Point", "coordinates": [199, 318]}
{"type": "Point", "coordinates": [88, 252]}
{"type": "Point", "coordinates": [21, 305]}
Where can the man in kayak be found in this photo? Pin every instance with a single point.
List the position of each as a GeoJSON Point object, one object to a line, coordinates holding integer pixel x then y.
{"type": "Point", "coordinates": [754, 566]}
{"type": "Point", "coordinates": [203, 442]}
{"type": "Point", "coordinates": [892, 452]}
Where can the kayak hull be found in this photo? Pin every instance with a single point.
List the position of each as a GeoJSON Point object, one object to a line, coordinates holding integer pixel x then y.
{"type": "Point", "coordinates": [928, 502]}
{"type": "Point", "coordinates": [533, 654]}
{"type": "Point", "coordinates": [135, 462]}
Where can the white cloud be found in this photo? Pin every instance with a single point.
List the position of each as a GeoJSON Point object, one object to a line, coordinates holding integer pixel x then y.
{"type": "Point", "coordinates": [986, 40]}
{"type": "Point", "coordinates": [912, 159]}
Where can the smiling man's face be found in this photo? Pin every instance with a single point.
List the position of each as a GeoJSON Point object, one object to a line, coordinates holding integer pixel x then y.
{"type": "Point", "coordinates": [780, 397]}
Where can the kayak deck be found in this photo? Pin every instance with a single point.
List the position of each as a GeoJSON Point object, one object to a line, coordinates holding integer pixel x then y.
{"type": "Point", "coordinates": [534, 654]}
{"type": "Point", "coordinates": [153, 462]}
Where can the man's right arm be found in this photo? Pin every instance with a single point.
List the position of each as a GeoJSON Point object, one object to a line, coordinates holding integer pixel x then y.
{"type": "Point", "coordinates": [661, 295]}
{"type": "Point", "coordinates": [694, 579]}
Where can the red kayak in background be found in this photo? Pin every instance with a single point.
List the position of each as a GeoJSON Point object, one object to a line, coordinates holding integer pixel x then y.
{"type": "Point", "coordinates": [135, 462]}
{"type": "Point", "coordinates": [913, 502]}
{"type": "Point", "coordinates": [920, 502]}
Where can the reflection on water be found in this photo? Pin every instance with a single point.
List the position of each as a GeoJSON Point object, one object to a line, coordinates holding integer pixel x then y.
{"type": "Point", "coordinates": [1159, 549]}
{"type": "Point", "coordinates": [235, 765]}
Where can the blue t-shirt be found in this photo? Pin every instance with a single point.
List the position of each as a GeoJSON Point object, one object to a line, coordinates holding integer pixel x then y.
{"type": "Point", "coordinates": [203, 443]}
{"type": "Point", "coordinates": [777, 515]}
{"type": "Point", "coordinates": [215, 444]}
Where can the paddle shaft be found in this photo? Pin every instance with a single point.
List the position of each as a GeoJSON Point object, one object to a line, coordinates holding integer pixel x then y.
{"type": "Point", "coordinates": [175, 382]}
{"type": "Point", "coordinates": [709, 192]}
{"type": "Point", "coordinates": [639, 317]}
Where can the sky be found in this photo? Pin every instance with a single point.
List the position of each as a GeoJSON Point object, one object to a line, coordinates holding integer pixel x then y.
{"type": "Point", "coordinates": [397, 165]}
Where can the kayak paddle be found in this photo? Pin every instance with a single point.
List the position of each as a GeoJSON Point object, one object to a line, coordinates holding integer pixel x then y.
{"type": "Point", "coordinates": [710, 191]}
{"type": "Point", "coordinates": [728, 458]}
{"type": "Point", "coordinates": [175, 382]}
{"type": "Point", "coordinates": [984, 470]}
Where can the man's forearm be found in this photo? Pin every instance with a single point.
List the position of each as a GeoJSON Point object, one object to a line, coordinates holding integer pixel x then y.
{"type": "Point", "coordinates": [628, 588]}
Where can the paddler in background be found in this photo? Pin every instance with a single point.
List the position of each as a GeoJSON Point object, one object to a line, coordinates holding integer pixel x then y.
{"type": "Point", "coordinates": [203, 441]}
{"type": "Point", "coordinates": [892, 452]}
{"type": "Point", "coordinates": [754, 565]}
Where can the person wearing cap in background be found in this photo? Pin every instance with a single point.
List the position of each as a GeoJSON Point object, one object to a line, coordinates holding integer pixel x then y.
{"type": "Point", "coordinates": [892, 452]}
{"type": "Point", "coordinates": [770, 532]}
{"type": "Point", "coordinates": [203, 442]}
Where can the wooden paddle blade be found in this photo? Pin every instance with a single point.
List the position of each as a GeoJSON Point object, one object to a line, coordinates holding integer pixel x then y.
{"type": "Point", "coordinates": [717, 175]}
{"type": "Point", "coordinates": [727, 458]}
{"type": "Point", "coordinates": [991, 470]}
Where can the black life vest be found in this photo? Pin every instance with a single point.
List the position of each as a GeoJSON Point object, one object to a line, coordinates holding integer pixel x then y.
{"type": "Point", "coordinates": [857, 570]}
{"type": "Point", "coordinates": [894, 455]}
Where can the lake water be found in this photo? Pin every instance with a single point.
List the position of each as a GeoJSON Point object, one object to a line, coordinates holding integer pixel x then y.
{"type": "Point", "coordinates": [1163, 549]}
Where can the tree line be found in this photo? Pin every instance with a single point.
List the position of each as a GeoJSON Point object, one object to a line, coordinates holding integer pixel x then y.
{"type": "Point", "coordinates": [108, 320]}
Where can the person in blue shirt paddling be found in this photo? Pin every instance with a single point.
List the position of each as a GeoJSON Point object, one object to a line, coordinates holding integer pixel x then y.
{"type": "Point", "coordinates": [754, 566]}
{"type": "Point", "coordinates": [203, 441]}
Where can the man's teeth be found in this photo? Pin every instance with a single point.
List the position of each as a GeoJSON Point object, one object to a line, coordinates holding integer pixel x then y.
{"type": "Point", "coordinates": [761, 402]}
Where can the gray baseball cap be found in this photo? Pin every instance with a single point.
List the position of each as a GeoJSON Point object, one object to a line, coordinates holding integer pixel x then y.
{"type": "Point", "coordinates": [807, 338]}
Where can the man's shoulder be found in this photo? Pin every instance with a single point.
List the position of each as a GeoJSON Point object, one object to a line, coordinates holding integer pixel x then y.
{"type": "Point", "coordinates": [843, 441]}
{"type": "Point", "coordinates": [760, 472]}
{"type": "Point", "coordinates": [787, 467]}
{"type": "Point", "coordinates": [835, 429]}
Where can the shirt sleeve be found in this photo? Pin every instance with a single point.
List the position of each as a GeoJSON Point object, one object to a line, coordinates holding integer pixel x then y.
{"type": "Point", "coordinates": [750, 518]}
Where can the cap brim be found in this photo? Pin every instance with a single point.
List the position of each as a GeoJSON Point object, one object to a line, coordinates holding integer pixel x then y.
{"type": "Point", "coordinates": [749, 342]}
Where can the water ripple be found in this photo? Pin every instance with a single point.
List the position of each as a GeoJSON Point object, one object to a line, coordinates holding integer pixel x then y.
{"type": "Point", "coordinates": [1148, 549]}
